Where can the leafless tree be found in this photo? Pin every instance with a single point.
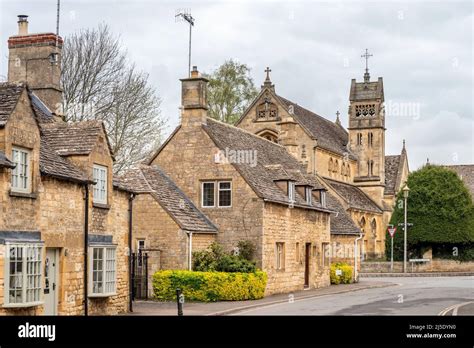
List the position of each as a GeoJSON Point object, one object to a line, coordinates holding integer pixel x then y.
{"type": "Point", "coordinates": [100, 83]}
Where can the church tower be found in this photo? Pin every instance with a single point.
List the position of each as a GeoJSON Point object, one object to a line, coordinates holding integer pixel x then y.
{"type": "Point", "coordinates": [367, 133]}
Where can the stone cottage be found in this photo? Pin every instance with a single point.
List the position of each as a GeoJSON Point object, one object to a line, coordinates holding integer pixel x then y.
{"type": "Point", "coordinates": [351, 164]}
{"type": "Point", "coordinates": [64, 233]}
{"type": "Point", "coordinates": [249, 187]}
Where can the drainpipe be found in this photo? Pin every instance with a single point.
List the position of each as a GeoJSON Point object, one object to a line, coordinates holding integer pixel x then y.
{"type": "Point", "coordinates": [190, 251]}
{"type": "Point", "coordinates": [86, 246]}
{"type": "Point", "coordinates": [355, 256]}
{"type": "Point", "coordinates": [130, 280]}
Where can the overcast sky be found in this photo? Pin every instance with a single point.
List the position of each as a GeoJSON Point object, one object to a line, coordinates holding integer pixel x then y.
{"type": "Point", "coordinates": [423, 50]}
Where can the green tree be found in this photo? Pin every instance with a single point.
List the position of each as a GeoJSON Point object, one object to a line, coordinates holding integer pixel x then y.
{"type": "Point", "coordinates": [230, 91]}
{"type": "Point", "coordinates": [442, 212]}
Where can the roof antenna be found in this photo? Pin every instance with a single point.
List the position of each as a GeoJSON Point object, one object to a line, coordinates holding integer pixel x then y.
{"type": "Point", "coordinates": [54, 57]}
{"type": "Point", "coordinates": [186, 16]}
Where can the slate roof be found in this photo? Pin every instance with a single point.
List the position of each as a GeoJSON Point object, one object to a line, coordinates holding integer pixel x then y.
{"type": "Point", "coordinates": [361, 91]}
{"type": "Point", "coordinates": [273, 162]}
{"type": "Point", "coordinates": [354, 196]}
{"type": "Point", "coordinates": [330, 136]}
{"type": "Point", "coordinates": [42, 113]}
{"type": "Point", "coordinates": [392, 166]}
{"type": "Point", "coordinates": [72, 138]}
{"type": "Point", "coordinates": [151, 179]}
{"type": "Point", "coordinates": [51, 164]}
{"type": "Point", "coordinates": [9, 95]}
{"type": "Point", "coordinates": [5, 162]}
{"type": "Point", "coordinates": [466, 173]}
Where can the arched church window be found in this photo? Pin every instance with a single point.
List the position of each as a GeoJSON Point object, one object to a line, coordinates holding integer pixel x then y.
{"type": "Point", "coordinates": [373, 227]}
{"type": "Point", "coordinates": [365, 110]}
{"type": "Point", "coordinates": [336, 166]}
{"type": "Point", "coordinates": [371, 139]}
{"type": "Point", "coordinates": [269, 135]}
{"type": "Point", "coordinates": [359, 138]}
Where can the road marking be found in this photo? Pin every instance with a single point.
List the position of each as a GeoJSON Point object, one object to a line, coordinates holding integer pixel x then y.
{"type": "Point", "coordinates": [453, 308]}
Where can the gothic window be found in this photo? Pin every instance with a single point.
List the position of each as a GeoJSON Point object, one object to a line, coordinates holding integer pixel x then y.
{"type": "Point", "coordinates": [371, 139]}
{"type": "Point", "coordinates": [370, 168]}
{"type": "Point", "coordinates": [269, 135]}
{"type": "Point", "coordinates": [336, 166]}
{"type": "Point", "coordinates": [366, 110]}
{"type": "Point", "coordinates": [373, 227]}
{"type": "Point", "coordinates": [267, 111]}
{"type": "Point", "coordinates": [330, 166]}
{"type": "Point", "coordinates": [359, 138]}
{"type": "Point", "coordinates": [362, 224]}
{"type": "Point", "coordinates": [343, 169]}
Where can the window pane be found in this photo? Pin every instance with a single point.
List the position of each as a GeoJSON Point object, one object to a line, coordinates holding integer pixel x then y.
{"type": "Point", "coordinates": [225, 199]}
{"type": "Point", "coordinates": [208, 194]}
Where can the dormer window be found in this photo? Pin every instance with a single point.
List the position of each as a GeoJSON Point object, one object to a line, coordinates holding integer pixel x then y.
{"type": "Point", "coordinates": [21, 174]}
{"type": "Point", "coordinates": [309, 195]}
{"type": "Point", "coordinates": [99, 194]}
{"type": "Point", "coordinates": [291, 191]}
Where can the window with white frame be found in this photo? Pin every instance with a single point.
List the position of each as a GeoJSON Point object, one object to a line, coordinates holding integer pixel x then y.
{"type": "Point", "coordinates": [219, 192]}
{"type": "Point", "coordinates": [100, 187]}
{"type": "Point", "coordinates": [309, 195]}
{"type": "Point", "coordinates": [291, 191]}
{"type": "Point", "coordinates": [102, 271]}
{"type": "Point", "coordinates": [21, 174]}
{"type": "Point", "coordinates": [208, 194]}
{"type": "Point", "coordinates": [225, 194]}
{"type": "Point", "coordinates": [23, 275]}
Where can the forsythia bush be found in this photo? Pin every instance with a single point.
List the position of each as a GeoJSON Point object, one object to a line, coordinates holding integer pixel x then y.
{"type": "Point", "coordinates": [345, 277]}
{"type": "Point", "coordinates": [209, 286]}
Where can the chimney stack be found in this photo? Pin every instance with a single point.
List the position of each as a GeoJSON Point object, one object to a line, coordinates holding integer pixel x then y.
{"type": "Point", "coordinates": [22, 25]}
{"type": "Point", "coordinates": [194, 99]}
{"type": "Point", "coordinates": [36, 60]}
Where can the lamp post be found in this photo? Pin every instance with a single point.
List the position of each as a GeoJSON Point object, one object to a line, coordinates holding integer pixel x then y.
{"type": "Point", "coordinates": [406, 191]}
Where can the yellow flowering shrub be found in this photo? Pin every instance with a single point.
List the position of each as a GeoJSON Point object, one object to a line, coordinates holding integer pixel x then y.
{"type": "Point", "coordinates": [209, 286]}
{"type": "Point", "coordinates": [346, 273]}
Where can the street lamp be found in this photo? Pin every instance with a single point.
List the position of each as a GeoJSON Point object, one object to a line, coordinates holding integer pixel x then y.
{"type": "Point", "coordinates": [406, 192]}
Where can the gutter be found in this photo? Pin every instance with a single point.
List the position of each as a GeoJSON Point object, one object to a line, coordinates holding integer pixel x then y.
{"type": "Point", "coordinates": [355, 256]}
{"type": "Point", "coordinates": [130, 258]}
{"type": "Point", "coordinates": [86, 247]}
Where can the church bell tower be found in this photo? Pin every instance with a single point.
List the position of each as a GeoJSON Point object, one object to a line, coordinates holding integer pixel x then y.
{"type": "Point", "coordinates": [367, 133]}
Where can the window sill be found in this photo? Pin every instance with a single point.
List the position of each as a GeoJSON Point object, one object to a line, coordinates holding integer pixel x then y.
{"type": "Point", "coordinates": [23, 305]}
{"type": "Point", "coordinates": [101, 295]}
{"type": "Point", "coordinates": [23, 194]}
{"type": "Point", "coordinates": [101, 206]}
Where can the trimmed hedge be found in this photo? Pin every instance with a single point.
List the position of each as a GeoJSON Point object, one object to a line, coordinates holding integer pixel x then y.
{"type": "Point", "coordinates": [345, 277]}
{"type": "Point", "coordinates": [209, 286]}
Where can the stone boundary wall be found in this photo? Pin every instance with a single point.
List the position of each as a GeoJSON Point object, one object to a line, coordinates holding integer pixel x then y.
{"type": "Point", "coordinates": [435, 265]}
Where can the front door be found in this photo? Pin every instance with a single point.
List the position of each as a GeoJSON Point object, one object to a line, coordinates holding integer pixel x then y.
{"type": "Point", "coordinates": [51, 281]}
{"type": "Point", "coordinates": [306, 264]}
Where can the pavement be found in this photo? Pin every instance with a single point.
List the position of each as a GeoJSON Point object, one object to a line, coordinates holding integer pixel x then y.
{"type": "Point", "coordinates": [230, 307]}
{"type": "Point", "coordinates": [420, 274]}
{"type": "Point", "coordinates": [412, 296]}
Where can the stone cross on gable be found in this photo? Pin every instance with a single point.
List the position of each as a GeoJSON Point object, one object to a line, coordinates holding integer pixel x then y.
{"type": "Point", "coordinates": [268, 71]}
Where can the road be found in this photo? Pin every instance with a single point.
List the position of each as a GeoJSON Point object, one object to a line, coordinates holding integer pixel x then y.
{"type": "Point", "coordinates": [412, 296]}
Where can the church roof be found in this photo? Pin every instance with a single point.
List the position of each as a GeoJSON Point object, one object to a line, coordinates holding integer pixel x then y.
{"type": "Point", "coordinates": [361, 91]}
{"type": "Point", "coordinates": [9, 95]}
{"type": "Point", "coordinates": [5, 162]}
{"type": "Point", "coordinates": [354, 196]}
{"type": "Point", "coordinates": [466, 173]}
{"type": "Point", "coordinates": [330, 136]}
{"type": "Point", "coordinates": [272, 162]}
{"type": "Point", "coordinates": [152, 180]}
{"type": "Point", "coordinates": [392, 165]}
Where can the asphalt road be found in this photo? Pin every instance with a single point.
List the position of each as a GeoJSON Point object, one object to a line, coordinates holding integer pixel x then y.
{"type": "Point", "coordinates": [412, 296]}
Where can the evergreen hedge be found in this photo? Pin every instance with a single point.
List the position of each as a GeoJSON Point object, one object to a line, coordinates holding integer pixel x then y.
{"type": "Point", "coordinates": [442, 212]}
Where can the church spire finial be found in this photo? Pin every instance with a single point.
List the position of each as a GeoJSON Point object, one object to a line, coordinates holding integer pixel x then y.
{"type": "Point", "coordinates": [338, 121]}
{"type": "Point", "coordinates": [366, 55]}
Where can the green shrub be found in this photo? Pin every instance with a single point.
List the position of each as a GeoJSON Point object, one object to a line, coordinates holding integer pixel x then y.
{"type": "Point", "coordinates": [246, 249]}
{"type": "Point", "coordinates": [216, 259]}
{"type": "Point", "coordinates": [209, 286]}
{"type": "Point", "coordinates": [345, 277]}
